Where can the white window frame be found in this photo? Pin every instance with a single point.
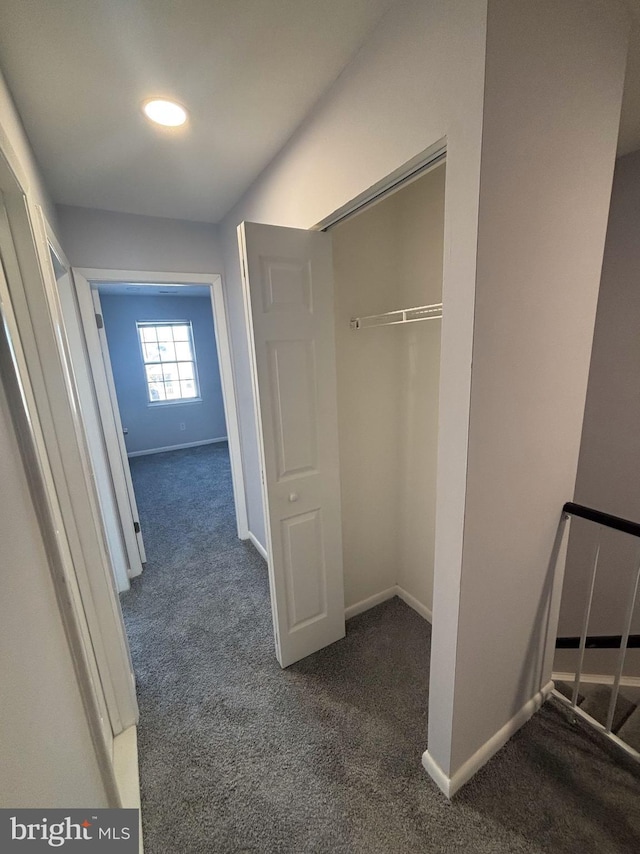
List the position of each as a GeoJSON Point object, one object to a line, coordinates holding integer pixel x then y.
{"type": "Point", "coordinates": [140, 325]}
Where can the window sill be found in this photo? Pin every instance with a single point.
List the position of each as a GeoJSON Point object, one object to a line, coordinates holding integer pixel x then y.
{"type": "Point", "coordinates": [181, 402]}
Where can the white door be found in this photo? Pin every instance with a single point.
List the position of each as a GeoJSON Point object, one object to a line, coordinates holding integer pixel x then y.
{"type": "Point", "coordinates": [93, 428]}
{"type": "Point", "coordinates": [111, 426]}
{"type": "Point", "coordinates": [132, 504]}
{"type": "Point", "coordinates": [288, 287]}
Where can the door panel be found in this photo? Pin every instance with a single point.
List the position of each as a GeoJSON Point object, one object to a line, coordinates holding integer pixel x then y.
{"type": "Point", "coordinates": [293, 390]}
{"type": "Point", "coordinates": [302, 546]}
{"type": "Point", "coordinates": [288, 285]}
{"type": "Point", "coordinates": [112, 430]}
{"type": "Point", "coordinates": [95, 439]}
{"type": "Point", "coordinates": [119, 432]}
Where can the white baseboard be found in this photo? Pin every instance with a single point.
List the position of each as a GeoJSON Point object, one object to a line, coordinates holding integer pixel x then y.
{"type": "Point", "coordinates": [176, 447]}
{"type": "Point", "coordinates": [436, 773]}
{"type": "Point", "coordinates": [450, 785]}
{"type": "Point", "coordinates": [383, 596]}
{"type": "Point", "coordinates": [370, 602]}
{"type": "Point", "coordinates": [597, 679]}
{"type": "Point", "coordinates": [414, 603]}
{"type": "Point", "coordinates": [125, 768]}
{"type": "Point", "coordinates": [258, 546]}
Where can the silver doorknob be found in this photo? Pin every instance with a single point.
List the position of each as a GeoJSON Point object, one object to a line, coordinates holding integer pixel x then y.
{"type": "Point", "coordinates": [293, 496]}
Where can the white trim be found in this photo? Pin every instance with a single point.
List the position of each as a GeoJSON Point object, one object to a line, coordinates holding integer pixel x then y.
{"type": "Point", "coordinates": [176, 447]}
{"type": "Point", "coordinates": [414, 603]}
{"type": "Point", "coordinates": [259, 547]}
{"type": "Point", "coordinates": [437, 774]}
{"type": "Point", "coordinates": [127, 774]}
{"type": "Point", "coordinates": [383, 596]}
{"type": "Point", "coordinates": [146, 277]}
{"type": "Point", "coordinates": [118, 449]}
{"type": "Point", "coordinates": [596, 679]}
{"type": "Point", "coordinates": [370, 602]}
{"type": "Point", "coordinates": [44, 411]}
{"type": "Point", "coordinates": [109, 421]}
{"type": "Point", "coordinates": [125, 767]}
{"type": "Point", "coordinates": [450, 785]}
{"type": "Point", "coordinates": [228, 383]}
{"type": "Point", "coordinates": [399, 178]}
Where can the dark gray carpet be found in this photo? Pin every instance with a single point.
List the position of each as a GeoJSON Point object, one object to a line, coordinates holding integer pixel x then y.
{"type": "Point", "coordinates": [237, 755]}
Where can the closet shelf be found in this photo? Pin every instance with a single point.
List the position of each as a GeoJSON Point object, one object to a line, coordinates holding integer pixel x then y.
{"type": "Point", "coordinates": [403, 315]}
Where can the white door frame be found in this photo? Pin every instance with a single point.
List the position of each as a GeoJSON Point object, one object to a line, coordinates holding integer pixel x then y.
{"type": "Point", "coordinates": [223, 346]}
{"type": "Point", "coordinates": [40, 385]}
{"type": "Point", "coordinates": [405, 174]}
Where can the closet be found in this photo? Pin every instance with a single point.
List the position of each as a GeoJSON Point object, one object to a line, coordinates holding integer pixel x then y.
{"type": "Point", "coordinates": [344, 339]}
{"type": "Point", "coordinates": [387, 259]}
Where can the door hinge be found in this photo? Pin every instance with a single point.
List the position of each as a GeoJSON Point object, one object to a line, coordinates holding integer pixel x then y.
{"type": "Point", "coordinates": [136, 527]}
{"type": "Point", "coordinates": [99, 321]}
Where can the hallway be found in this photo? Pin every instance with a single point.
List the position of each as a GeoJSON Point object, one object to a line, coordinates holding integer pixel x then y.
{"type": "Point", "coordinates": [239, 755]}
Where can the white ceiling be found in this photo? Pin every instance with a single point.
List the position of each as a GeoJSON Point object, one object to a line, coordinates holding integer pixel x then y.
{"type": "Point", "coordinates": [248, 71]}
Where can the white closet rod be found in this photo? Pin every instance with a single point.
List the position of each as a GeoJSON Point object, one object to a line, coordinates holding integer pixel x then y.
{"type": "Point", "coordinates": [403, 315]}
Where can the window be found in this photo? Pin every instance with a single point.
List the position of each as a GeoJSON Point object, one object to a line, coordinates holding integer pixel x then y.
{"type": "Point", "coordinates": [169, 361]}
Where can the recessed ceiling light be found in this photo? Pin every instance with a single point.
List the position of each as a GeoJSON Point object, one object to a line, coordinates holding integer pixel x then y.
{"type": "Point", "coordinates": [163, 112]}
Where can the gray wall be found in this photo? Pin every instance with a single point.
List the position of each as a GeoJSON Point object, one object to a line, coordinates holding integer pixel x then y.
{"type": "Point", "coordinates": [47, 758]}
{"type": "Point", "coordinates": [18, 150]}
{"type": "Point", "coordinates": [524, 234]}
{"type": "Point", "coordinates": [114, 241]}
{"type": "Point", "coordinates": [158, 425]}
{"type": "Point", "coordinates": [609, 466]}
{"type": "Point", "coordinates": [541, 235]}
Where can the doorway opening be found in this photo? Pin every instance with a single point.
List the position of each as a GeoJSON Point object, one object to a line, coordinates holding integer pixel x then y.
{"type": "Point", "coordinates": [153, 364]}
{"type": "Point", "coordinates": [160, 351]}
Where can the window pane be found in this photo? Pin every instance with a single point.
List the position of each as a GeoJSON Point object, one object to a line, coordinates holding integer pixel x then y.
{"type": "Point", "coordinates": [183, 350]}
{"type": "Point", "coordinates": [186, 370]}
{"type": "Point", "coordinates": [154, 373]}
{"type": "Point", "coordinates": [181, 333]}
{"type": "Point", "coordinates": [169, 361]}
{"type": "Point", "coordinates": [151, 352]}
{"type": "Point", "coordinates": [167, 351]}
{"type": "Point", "coordinates": [188, 388]}
{"type": "Point", "coordinates": [170, 371]}
{"type": "Point", "coordinates": [172, 390]}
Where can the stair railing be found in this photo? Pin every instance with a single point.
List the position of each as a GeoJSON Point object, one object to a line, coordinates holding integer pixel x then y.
{"type": "Point", "coordinates": [623, 641]}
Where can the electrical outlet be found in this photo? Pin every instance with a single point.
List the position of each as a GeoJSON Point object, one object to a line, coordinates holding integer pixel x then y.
{"type": "Point", "coordinates": [183, 425]}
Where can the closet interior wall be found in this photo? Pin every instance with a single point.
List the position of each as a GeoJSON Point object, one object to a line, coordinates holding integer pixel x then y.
{"type": "Point", "coordinates": [386, 258]}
